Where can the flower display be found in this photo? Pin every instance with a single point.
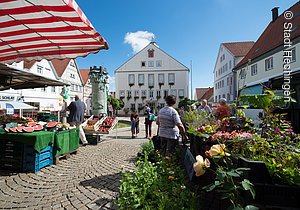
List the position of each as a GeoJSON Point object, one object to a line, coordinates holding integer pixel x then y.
{"type": "Point", "coordinates": [201, 165]}
{"type": "Point", "coordinates": [220, 135]}
{"type": "Point", "coordinates": [217, 149]}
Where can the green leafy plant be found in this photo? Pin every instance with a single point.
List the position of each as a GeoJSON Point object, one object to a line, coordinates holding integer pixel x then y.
{"type": "Point", "coordinates": [155, 186]}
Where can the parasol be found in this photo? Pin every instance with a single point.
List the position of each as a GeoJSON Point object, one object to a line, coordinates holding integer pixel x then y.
{"type": "Point", "coordinates": [45, 29]}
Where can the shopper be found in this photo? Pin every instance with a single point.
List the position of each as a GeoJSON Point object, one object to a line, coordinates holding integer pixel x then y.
{"type": "Point", "coordinates": [148, 121]}
{"type": "Point", "coordinates": [134, 118]}
{"type": "Point", "coordinates": [204, 106]}
{"type": "Point", "coordinates": [76, 117]}
{"type": "Point", "coordinates": [170, 126]}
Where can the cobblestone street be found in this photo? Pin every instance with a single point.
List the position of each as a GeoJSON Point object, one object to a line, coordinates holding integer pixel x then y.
{"type": "Point", "coordinates": [87, 180]}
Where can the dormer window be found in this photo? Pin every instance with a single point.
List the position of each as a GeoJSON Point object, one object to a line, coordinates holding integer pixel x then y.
{"type": "Point", "coordinates": [143, 63]}
{"type": "Point", "coordinates": [150, 53]}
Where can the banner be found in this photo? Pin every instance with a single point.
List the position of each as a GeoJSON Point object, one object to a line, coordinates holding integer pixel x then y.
{"type": "Point", "coordinates": [10, 109]}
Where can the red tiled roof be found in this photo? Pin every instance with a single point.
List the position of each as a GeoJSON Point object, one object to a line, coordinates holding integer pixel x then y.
{"type": "Point", "coordinates": [209, 93]}
{"type": "Point", "coordinates": [60, 65]}
{"type": "Point", "coordinates": [272, 37]}
{"type": "Point", "coordinates": [239, 49]}
{"type": "Point", "coordinates": [84, 75]}
{"type": "Point", "coordinates": [204, 93]}
{"type": "Point", "coordinates": [28, 64]}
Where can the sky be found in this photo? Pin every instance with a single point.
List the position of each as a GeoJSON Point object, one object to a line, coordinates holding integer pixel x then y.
{"type": "Point", "coordinates": [191, 31]}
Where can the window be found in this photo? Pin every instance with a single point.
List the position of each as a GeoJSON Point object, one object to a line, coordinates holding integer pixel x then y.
{"type": "Point", "coordinates": [223, 96]}
{"type": "Point", "coordinates": [72, 64]}
{"type": "Point", "coordinates": [166, 93]}
{"type": "Point", "coordinates": [228, 97]}
{"type": "Point", "coordinates": [226, 67]}
{"type": "Point", "coordinates": [141, 78]}
{"type": "Point", "coordinates": [174, 92]}
{"type": "Point", "coordinates": [216, 98]}
{"type": "Point", "coordinates": [76, 87]}
{"type": "Point", "coordinates": [158, 63]}
{"type": "Point", "coordinates": [161, 79]}
{"type": "Point", "coordinates": [144, 93]}
{"type": "Point", "coordinates": [269, 64]}
{"type": "Point", "coordinates": [43, 89]}
{"type": "Point", "coordinates": [53, 89]}
{"type": "Point", "coordinates": [293, 59]}
{"type": "Point", "coordinates": [136, 93]}
{"type": "Point", "coordinates": [131, 79]}
{"type": "Point", "coordinates": [171, 78]}
{"type": "Point", "coordinates": [150, 80]}
{"type": "Point", "coordinates": [122, 93]}
{"type": "Point", "coordinates": [150, 63]}
{"type": "Point", "coordinates": [72, 76]}
{"type": "Point", "coordinates": [150, 53]}
{"type": "Point", "coordinates": [222, 83]}
{"type": "Point", "coordinates": [243, 74]}
{"type": "Point", "coordinates": [253, 69]}
{"type": "Point", "coordinates": [72, 87]}
{"type": "Point", "coordinates": [219, 97]}
{"type": "Point", "coordinates": [132, 107]}
{"type": "Point", "coordinates": [181, 93]}
{"type": "Point", "coordinates": [140, 106]}
{"type": "Point", "coordinates": [230, 64]}
{"type": "Point", "coordinates": [143, 63]}
{"type": "Point", "coordinates": [129, 93]}
{"type": "Point", "coordinates": [39, 69]}
{"type": "Point", "coordinates": [158, 94]}
{"type": "Point", "coordinates": [151, 93]}
{"type": "Point", "coordinates": [230, 80]}
{"type": "Point", "coordinates": [227, 81]}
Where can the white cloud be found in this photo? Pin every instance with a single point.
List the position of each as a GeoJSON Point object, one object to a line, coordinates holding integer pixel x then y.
{"type": "Point", "coordinates": [112, 84]}
{"type": "Point", "coordinates": [138, 40]}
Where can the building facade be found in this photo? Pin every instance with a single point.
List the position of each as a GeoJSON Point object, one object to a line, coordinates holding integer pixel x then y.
{"type": "Point", "coordinates": [229, 55]}
{"type": "Point", "coordinates": [273, 62]}
{"type": "Point", "coordinates": [148, 77]}
{"type": "Point", "coordinates": [87, 90]}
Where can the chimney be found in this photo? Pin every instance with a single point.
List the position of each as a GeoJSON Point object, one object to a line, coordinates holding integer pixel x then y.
{"type": "Point", "coordinates": [274, 13]}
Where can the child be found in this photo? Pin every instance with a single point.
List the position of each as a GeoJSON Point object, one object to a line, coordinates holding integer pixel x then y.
{"type": "Point", "coordinates": [134, 118]}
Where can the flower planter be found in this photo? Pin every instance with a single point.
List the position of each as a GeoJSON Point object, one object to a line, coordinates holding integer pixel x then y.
{"type": "Point", "coordinates": [258, 172]}
{"type": "Point", "coordinates": [198, 145]}
{"type": "Point", "coordinates": [268, 195]}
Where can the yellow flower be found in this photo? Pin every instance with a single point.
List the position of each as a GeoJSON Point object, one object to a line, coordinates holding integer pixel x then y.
{"type": "Point", "coordinates": [171, 178]}
{"type": "Point", "coordinates": [217, 149]}
{"type": "Point", "coordinates": [201, 165]}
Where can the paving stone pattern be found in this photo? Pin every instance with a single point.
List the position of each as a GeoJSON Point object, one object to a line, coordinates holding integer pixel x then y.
{"type": "Point", "coordinates": [87, 180]}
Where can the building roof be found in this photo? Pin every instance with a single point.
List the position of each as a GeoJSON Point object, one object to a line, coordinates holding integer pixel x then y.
{"type": "Point", "coordinates": [84, 75]}
{"type": "Point", "coordinates": [204, 93]}
{"type": "Point", "coordinates": [154, 44]}
{"type": "Point", "coordinates": [60, 65]}
{"type": "Point", "coordinates": [272, 37]}
{"type": "Point", "coordinates": [239, 49]}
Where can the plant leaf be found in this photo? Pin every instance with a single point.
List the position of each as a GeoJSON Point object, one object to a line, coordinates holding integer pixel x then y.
{"type": "Point", "coordinates": [250, 207]}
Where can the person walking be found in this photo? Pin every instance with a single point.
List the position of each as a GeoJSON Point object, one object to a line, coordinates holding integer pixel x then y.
{"type": "Point", "coordinates": [134, 118]}
{"type": "Point", "coordinates": [76, 117]}
{"type": "Point", "coordinates": [148, 121]}
{"type": "Point", "coordinates": [170, 126]}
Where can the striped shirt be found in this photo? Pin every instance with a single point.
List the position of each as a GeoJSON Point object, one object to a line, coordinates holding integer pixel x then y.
{"type": "Point", "coordinates": [168, 118]}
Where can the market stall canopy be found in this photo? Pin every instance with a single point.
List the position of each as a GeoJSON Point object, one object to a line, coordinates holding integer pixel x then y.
{"type": "Point", "coordinates": [16, 105]}
{"type": "Point", "coordinates": [45, 29]}
{"type": "Point", "coordinates": [12, 77]}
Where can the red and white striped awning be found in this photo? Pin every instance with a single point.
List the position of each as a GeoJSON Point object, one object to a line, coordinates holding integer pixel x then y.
{"type": "Point", "coordinates": [45, 29]}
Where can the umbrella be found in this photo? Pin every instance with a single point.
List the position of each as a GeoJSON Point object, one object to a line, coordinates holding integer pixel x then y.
{"type": "Point", "coordinates": [16, 105]}
{"type": "Point", "coordinates": [45, 29]}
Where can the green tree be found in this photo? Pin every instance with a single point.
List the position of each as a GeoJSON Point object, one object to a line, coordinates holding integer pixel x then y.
{"type": "Point", "coordinates": [186, 103]}
{"type": "Point", "coordinates": [116, 103]}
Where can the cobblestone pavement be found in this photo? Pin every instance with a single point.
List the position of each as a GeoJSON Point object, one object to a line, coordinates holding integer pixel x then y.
{"type": "Point", "coordinates": [87, 180]}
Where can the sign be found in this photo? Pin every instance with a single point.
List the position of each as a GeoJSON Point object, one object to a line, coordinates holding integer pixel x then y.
{"type": "Point", "coordinates": [7, 98]}
{"type": "Point", "coordinates": [10, 109]}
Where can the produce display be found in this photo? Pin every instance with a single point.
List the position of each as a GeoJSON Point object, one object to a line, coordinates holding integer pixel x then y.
{"type": "Point", "coordinates": [92, 124]}
{"type": "Point", "coordinates": [107, 125]}
{"type": "Point", "coordinates": [14, 118]}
